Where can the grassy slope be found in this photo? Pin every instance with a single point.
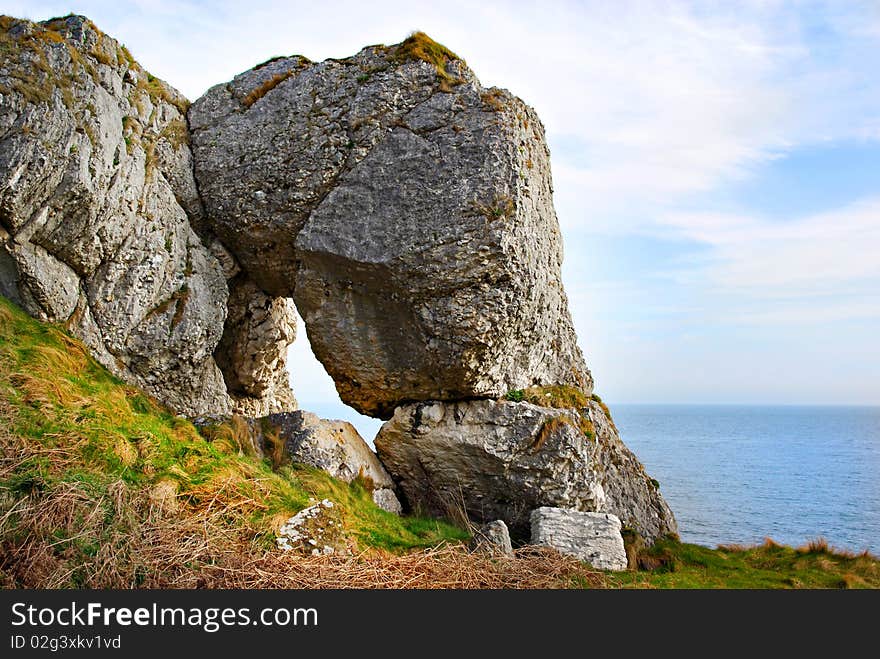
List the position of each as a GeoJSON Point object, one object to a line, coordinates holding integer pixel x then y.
{"type": "Point", "coordinates": [80, 452]}
{"type": "Point", "coordinates": [101, 487]}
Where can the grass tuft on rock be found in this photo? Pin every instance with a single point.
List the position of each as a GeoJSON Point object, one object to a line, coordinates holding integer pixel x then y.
{"type": "Point", "coordinates": [419, 46]}
{"type": "Point", "coordinates": [558, 396]}
{"type": "Point", "coordinates": [260, 91]}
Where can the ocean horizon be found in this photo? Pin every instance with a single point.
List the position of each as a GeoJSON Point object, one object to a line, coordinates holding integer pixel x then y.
{"type": "Point", "coordinates": [736, 474]}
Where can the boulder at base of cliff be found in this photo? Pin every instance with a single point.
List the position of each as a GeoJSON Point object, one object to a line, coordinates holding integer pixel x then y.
{"type": "Point", "coordinates": [503, 459]}
{"type": "Point", "coordinates": [334, 446]}
{"type": "Point", "coordinates": [591, 537]}
{"type": "Point", "coordinates": [316, 530]}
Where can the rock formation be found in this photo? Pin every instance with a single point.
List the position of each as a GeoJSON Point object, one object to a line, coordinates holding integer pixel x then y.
{"type": "Point", "coordinates": [97, 218]}
{"type": "Point", "coordinates": [334, 446]}
{"type": "Point", "coordinates": [503, 459]}
{"type": "Point", "coordinates": [253, 351]}
{"type": "Point", "coordinates": [492, 538]}
{"type": "Point", "coordinates": [406, 209]}
{"type": "Point", "coordinates": [591, 537]}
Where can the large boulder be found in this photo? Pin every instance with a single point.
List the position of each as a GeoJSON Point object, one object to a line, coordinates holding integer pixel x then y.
{"type": "Point", "coordinates": [406, 209]}
{"type": "Point", "coordinates": [592, 537]}
{"type": "Point", "coordinates": [503, 459]}
{"type": "Point", "coordinates": [97, 195]}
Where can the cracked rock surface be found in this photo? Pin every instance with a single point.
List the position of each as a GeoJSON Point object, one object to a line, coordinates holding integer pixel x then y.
{"type": "Point", "coordinates": [92, 153]}
{"type": "Point", "coordinates": [97, 207]}
{"type": "Point", "coordinates": [408, 212]}
{"type": "Point", "coordinates": [501, 460]}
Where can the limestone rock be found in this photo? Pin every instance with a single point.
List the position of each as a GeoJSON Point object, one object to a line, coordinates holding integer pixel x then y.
{"type": "Point", "coordinates": [591, 537]}
{"type": "Point", "coordinates": [315, 530]}
{"type": "Point", "coordinates": [253, 351]}
{"type": "Point", "coordinates": [493, 538]}
{"type": "Point", "coordinates": [93, 154]}
{"type": "Point", "coordinates": [630, 493]}
{"type": "Point", "coordinates": [501, 460]}
{"type": "Point", "coordinates": [334, 446]}
{"type": "Point", "coordinates": [406, 209]}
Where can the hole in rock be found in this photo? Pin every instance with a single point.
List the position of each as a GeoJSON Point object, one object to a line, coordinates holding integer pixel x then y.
{"type": "Point", "coordinates": [314, 388]}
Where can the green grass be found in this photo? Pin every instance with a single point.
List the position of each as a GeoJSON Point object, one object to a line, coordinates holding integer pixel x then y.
{"type": "Point", "coordinates": [556, 396]}
{"type": "Point", "coordinates": [370, 525]}
{"type": "Point", "coordinates": [562, 397]}
{"type": "Point", "coordinates": [72, 434]}
{"type": "Point", "coordinates": [815, 565]}
{"type": "Point", "coordinates": [419, 46]}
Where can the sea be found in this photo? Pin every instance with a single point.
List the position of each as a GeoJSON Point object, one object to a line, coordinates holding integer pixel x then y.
{"type": "Point", "coordinates": [738, 474]}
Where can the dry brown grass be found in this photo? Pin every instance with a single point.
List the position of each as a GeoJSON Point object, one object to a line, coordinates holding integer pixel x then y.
{"type": "Point", "coordinates": [816, 546]}
{"type": "Point", "coordinates": [547, 429]}
{"type": "Point", "coordinates": [270, 84]}
{"type": "Point", "coordinates": [273, 445]}
{"type": "Point", "coordinates": [443, 567]}
{"type": "Point", "coordinates": [419, 46]}
{"type": "Point", "coordinates": [206, 539]}
{"type": "Point", "coordinates": [233, 436]}
{"type": "Point", "coordinates": [493, 100]}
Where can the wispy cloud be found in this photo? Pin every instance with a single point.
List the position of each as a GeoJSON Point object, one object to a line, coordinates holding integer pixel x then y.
{"type": "Point", "coordinates": [832, 254]}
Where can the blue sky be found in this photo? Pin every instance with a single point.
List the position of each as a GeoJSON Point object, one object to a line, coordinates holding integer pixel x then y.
{"type": "Point", "coordinates": [716, 169]}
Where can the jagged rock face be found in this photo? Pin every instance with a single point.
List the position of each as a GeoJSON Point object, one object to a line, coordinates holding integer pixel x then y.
{"type": "Point", "coordinates": [253, 351]}
{"type": "Point", "coordinates": [501, 460]}
{"type": "Point", "coordinates": [592, 537]}
{"type": "Point", "coordinates": [408, 212]}
{"type": "Point", "coordinates": [93, 233]}
{"type": "Point", "coordinates": [96, 197]}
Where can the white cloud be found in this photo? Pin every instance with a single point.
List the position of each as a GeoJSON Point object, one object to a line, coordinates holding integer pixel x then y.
{"type": "Point", "coordinates": [828, 254]}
